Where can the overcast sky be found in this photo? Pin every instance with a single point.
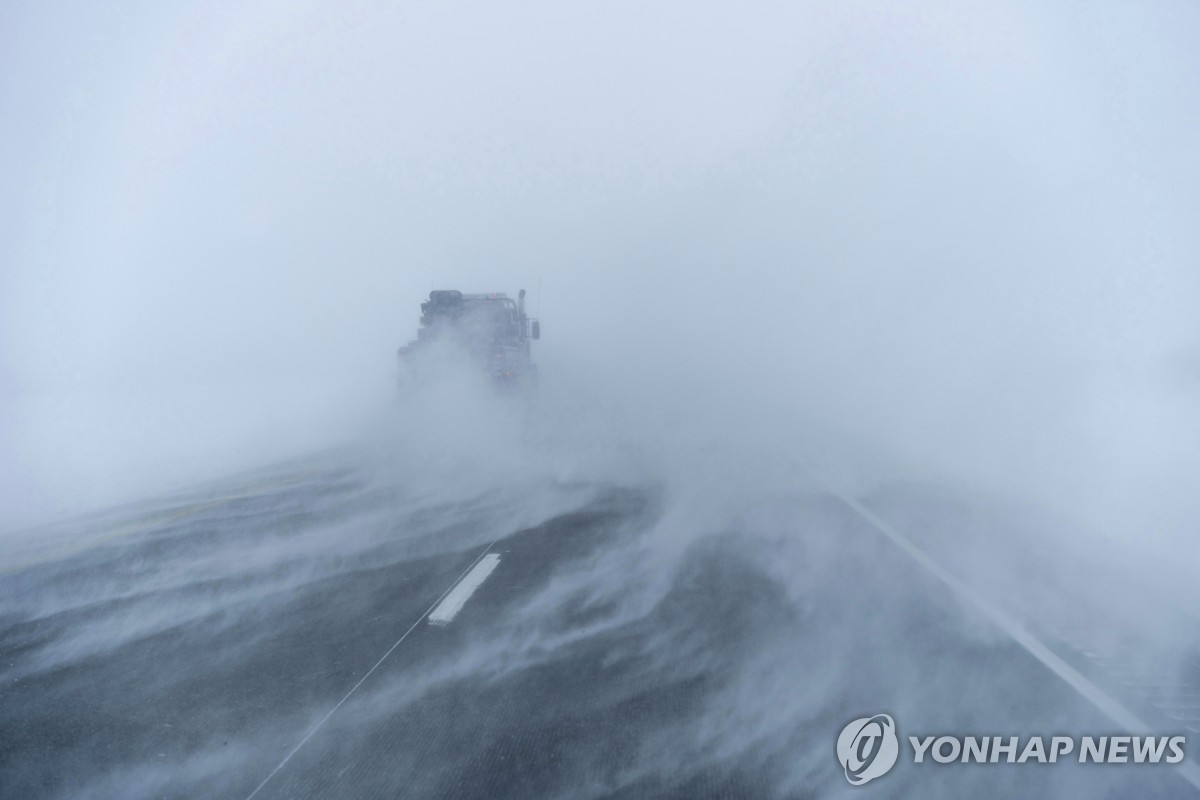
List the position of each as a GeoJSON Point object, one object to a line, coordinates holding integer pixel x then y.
{"type": "Point", "coordinates": [967, 231]}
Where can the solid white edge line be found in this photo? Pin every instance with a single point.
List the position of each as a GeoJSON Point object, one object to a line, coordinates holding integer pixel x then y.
{"type": "Point", "coordinates": [354, 688]}
{"type": "Point", "coordinates": [1112, 708]}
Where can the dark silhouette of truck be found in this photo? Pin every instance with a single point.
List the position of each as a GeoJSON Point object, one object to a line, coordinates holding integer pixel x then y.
{"type": "Point", "coordinates": [490, 330]}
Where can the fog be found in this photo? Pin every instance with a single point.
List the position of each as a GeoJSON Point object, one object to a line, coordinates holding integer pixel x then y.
{"type": "Point", "coordinates": [963, 233]}
{"type": "Point", "coordinates": [939, 248]}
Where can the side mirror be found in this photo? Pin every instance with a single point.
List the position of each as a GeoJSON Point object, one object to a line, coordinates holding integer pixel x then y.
{"type": "Point", "coordinates": [536, 333]}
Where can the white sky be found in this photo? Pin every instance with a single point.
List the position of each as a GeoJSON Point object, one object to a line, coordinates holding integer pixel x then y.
{"type": "Point", "coordinates": [946, 222]}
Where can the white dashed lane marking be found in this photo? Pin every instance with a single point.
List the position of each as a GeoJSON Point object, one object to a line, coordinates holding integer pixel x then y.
{"type": "Point", "coordinates": [448, 609]}
{"type": "Point", "coordinates": [464, 578]}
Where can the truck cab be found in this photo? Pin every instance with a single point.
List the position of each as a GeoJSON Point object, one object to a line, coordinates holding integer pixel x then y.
{"type": "Point", "coordinates": [491, 329]}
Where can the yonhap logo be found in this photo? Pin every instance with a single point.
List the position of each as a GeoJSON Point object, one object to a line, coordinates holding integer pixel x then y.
{"type": "Point", "coordinates": [867, 748]}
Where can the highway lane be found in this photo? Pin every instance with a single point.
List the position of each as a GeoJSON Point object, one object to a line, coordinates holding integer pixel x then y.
{"type": "Point", "coordinates": [202, 653]}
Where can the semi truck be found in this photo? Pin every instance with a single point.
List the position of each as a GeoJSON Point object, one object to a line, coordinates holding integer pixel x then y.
{"type": "Point", "coordinates": [492, 332]}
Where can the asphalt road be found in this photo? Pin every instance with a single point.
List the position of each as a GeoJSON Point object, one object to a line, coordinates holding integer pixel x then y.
{"type": "Point", "coordinates": [269, 637]}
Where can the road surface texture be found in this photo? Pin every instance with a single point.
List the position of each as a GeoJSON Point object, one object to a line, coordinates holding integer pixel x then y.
{"type": "Point", "coordinates": [298, 633]}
